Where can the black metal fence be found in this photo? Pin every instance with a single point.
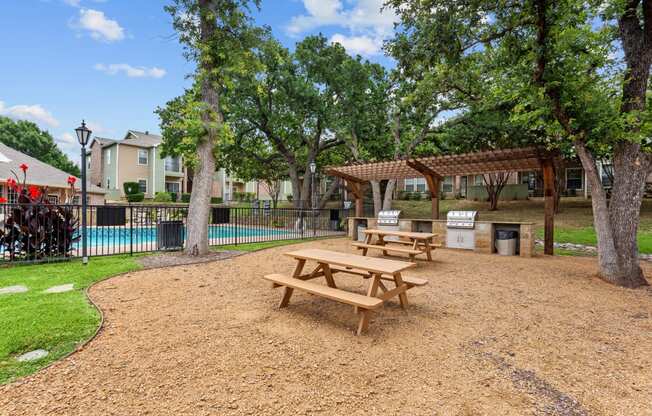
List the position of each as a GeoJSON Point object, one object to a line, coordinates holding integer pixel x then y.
{"type": "Point", "coordinates": [128, 229]}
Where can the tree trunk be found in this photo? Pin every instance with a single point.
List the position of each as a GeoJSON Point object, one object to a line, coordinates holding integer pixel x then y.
{"type": "Point", "coordinates": [630, 172]}
{"type": "Point", "coordinates": [296, 187]}
{"type": "Point", "coordinates": [200, 198]}
{"type": "Point", "coordinates": [389, 194]}
{"type": "Point", "coordinates": [375, 190]}
{"type": "Point", "coordinates": [616, 224]}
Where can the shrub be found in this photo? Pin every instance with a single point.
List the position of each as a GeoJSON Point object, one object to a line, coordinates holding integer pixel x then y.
{"type": "Point", "coordinates": [250, 196]}
{"type": "Point", "coordinates": [139, 197]}
{"type": "Point", "coordinates": [174, 196]}
{"type": "Point", "coordinates": [403, 196]}
{"type": "Point", "coordinates": [131, 188]}
{"type": "Point", "coordinates": [162, 197]}
{"type": "Point", "coordinates": [289, 198]}
{"type": "Point", "coordinates": [36, 229]}
{"type": "Point", "coordinates": [414, 196]}
{"type": "Point", "coordinates": [185, 198]}
{"type": "Point", "coordinates": [216, 200]}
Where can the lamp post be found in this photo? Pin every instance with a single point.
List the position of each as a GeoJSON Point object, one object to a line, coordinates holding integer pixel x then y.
{"type": "Point", "coordinates": [83, 135]}
{"type": "Point", "coordinates": [313, 169]}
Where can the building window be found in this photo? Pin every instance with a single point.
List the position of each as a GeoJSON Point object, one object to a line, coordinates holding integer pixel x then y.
{"type": "Point", "coordinates": [53, 199]}
{"type": "Point", "coordinates": [173, 187]}
{"type": "Point", "coordinates": [143, 156]}
{"type": "Point", "coordinates": [107, 156]}
{"type": "Point", "coordinates": [415, 185]}
{"type": "Point", "coordinates": [76, 200]}
{"type": "Point", "coordinates": [607, 174]}
{"type": "Point", "coordinates": [12, 196]}
{"type": "Point", "coordinates": [447, 184]}
{"type": "Point", "coordinates": [479, 180]}
{"type": "Point", "coordinates": [142, 185]}
{"type": "Point", "coordinates": [173, 164]}
{"type": "Point", "coordinates": [88, 162]}
{"type": "Point", "coordinates": [108, 183]}
{"type": "Point", "coordinates": [573, 179]}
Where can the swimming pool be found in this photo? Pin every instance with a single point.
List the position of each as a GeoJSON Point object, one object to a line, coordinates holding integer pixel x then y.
{"type": "Point", "coordinates": [118, 236]}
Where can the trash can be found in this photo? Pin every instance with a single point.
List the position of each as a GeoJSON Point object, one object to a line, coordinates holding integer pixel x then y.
{"type": "Point", "coordinates": [169, 235]}
{"type": "Point", "coordinates": [506, 242]}
{"type": "Point", "coordinates": [361, 234]}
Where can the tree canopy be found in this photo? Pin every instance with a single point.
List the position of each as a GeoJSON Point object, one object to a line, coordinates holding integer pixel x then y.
{"type": "Point", "coordinates": [28, 138]}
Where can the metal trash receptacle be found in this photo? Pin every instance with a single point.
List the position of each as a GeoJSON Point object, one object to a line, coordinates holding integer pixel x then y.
{"type": "Point", "coordinates": [506, 242]}
{"type": "Point", "coordinates": [361, 235]}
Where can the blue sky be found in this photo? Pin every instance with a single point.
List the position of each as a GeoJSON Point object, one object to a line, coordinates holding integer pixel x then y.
{"type": "Point", "coordinates": [112, 62]}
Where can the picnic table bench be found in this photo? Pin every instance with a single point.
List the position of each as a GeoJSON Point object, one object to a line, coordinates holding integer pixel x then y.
{"type": "Point", "coordinates": [329, 263]}
{"type": "Point", "coordinates": [420, 243]}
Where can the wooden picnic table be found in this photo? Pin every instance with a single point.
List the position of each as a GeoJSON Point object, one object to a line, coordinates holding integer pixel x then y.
{"type": "Point", "coordinates": [421, 243]}
{"type": "Point", "coordinates": [378, 271]}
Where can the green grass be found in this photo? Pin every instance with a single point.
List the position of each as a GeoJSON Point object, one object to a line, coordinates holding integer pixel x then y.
{"type": "Point", "coordinates": [267, 244]}
{"type": "Point", "coordinates": [574, 224]}
{"type": "Point", "coordinates": [56, 322]}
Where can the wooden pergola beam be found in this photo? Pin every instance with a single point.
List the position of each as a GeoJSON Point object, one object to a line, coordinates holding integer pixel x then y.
{"type": "Point", "coordinates": [423, 169]}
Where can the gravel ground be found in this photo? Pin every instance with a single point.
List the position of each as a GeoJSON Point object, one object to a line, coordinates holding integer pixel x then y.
{"type": "Point", "coordinates": [488, 336]}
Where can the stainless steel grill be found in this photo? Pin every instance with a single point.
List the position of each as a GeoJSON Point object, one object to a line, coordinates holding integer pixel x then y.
{"type": "Point", "coordinates": [461, 219]}
{"type": "Point", "coordinates": [388, 218]}
{"type": "Point", "coordinates": [460, 231]}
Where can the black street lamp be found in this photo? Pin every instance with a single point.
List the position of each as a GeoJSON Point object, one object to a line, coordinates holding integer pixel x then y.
{"type": "Point", "coordinates": [313, 169]}
{"type": "Point", "coordinates": [83, 135]}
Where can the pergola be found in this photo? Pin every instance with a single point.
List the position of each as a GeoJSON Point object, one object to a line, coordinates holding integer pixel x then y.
{"type": "Point", "coordinates": [434, 168]}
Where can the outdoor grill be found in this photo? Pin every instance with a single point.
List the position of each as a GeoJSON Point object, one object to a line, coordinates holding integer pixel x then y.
{"type": "Point", "coordinates": [461, 219]}
{"type": "Point", "coordinates": [460, 231]}
{"type": "Point", "coordinates": [388, 218]}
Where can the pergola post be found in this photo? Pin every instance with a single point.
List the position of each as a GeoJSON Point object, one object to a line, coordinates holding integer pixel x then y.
{"type": "Point", "coordinates": [549, 206]}
{"type": "Point", "coordinates": [433, 180]}
{"type": "Point", "coordinates": [433, 186]}
{"type": "Point", "coordinates": [356, 190]}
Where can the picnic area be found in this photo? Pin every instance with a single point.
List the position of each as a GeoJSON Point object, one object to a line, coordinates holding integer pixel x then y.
{"type": "Point", "coordinates": [486, 335]}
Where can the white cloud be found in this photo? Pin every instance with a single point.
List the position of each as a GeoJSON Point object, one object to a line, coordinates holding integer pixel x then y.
{"type": "Point", "coordinates": [366, 20]}
{"type": "Point", "coordinates": [35, 113]}
{"type": "Point", "coordinates": [68, 144]}
{"type": "Point", "coordinates": [131, 71]}
{"type": "Point", "coordinates": [99, 26]}
{"type": "Point", "coordinates": [366, 16]}
{"type": "Point", "coordinates": [73, 3]}
{"type": "Point", "coordinates": [359, 45]}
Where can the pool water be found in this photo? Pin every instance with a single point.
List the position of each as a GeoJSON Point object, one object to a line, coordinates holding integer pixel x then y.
{"type": "Point", "coordinates": [108, 236]}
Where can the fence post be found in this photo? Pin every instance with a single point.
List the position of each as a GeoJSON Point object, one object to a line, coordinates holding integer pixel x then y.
{"type": "Point", "coordinates": [131, 231]}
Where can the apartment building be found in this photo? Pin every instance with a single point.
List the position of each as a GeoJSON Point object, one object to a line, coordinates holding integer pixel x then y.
{"type": "Point", "coordinates": [520, 185]}
{"type": "Point", "coordinates": [135, 158]}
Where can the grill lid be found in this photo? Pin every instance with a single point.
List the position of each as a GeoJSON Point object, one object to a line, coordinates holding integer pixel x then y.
{"type": "Point", "coordinates": [389, 217]}
{"type": "Point", "coordinates": [461, 219]}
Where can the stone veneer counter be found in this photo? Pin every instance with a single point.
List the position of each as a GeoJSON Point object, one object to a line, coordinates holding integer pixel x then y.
{"type": "Point", "coordinates": [485, 232]}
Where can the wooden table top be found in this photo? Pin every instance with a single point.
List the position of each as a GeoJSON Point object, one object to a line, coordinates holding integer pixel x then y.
{"type": "Point", "coordinates": [371, 264]}
{"type": "Point", "coordinates": [408, 234]}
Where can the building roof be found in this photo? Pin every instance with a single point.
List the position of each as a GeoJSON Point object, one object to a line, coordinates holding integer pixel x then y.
{"type": "Point", "coordinates": [39, 173]}
{"type": "Point", "coordinates": [141, 139]}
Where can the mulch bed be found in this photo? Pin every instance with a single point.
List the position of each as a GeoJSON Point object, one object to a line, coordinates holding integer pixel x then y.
{"type": "Point", "coordinates": [488, 335]}
{"type": "Point", "coordinates": [180, 259]}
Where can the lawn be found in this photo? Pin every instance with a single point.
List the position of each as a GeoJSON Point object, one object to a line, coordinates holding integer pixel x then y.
{"type": "Point", "coordinates": [574, 224]}
{"type": "Point", "coordinates": [56, 322]}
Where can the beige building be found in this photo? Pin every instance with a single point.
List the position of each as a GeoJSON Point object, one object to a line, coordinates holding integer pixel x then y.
{"type": "Point", "coordinates": [54, 181]}
{"type": "Point", "coordinates": [135, 158]}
